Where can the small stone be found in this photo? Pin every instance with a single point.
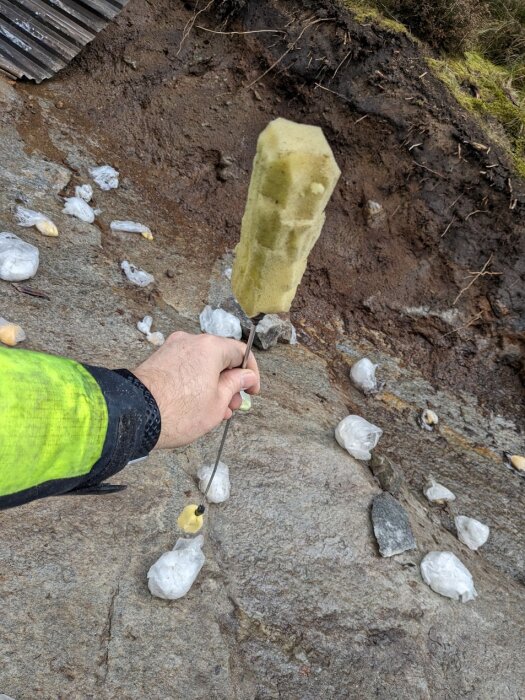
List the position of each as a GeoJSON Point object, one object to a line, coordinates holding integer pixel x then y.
{"type": "Point", "coordinates": [374, 213]}
{"type": "Point", "coordinates": [232, 306]}
{"type": "Point", "coordinates": [390, 477]}
{"type": "Point", "coordinates": [59, 104]}
{"type": "Point", "coordinates": [391, 526]}
{"type": "Point", "coordinates": [268, 331]}
{"type": "Point", "coordinates": [169, 274]}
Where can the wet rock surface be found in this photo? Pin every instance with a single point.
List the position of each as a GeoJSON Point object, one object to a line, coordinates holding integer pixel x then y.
{"type": "Point", "coordinates": [293, 601]}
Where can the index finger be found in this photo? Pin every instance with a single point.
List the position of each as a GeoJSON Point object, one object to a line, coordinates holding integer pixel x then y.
{"type": "Point", "coordinates": [233, 352]}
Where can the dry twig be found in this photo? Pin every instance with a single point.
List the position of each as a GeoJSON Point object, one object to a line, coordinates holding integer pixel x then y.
{"type": "Point", "coordinates": [291, 47]}
{"type": "Point", "coordinates": [476, 211]}
{"type": "Point", "coordinates": [434, 172]}
{"type": "Point", "coordinates": [252, 31]}
{"type": "Point", "coordinates": [340, 64]}
{"type": "Point", "coordinates": [475, 276]}
{"type": "Point", "coordinates": [189, 25]}
{"type": "Point", "coordinates": [465, 325]}
{"type": "Point", "coordinates": [448, 227]}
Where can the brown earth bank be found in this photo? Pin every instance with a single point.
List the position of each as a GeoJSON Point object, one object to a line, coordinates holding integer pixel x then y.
{"type": "Point", "coordinates": [178, 97]}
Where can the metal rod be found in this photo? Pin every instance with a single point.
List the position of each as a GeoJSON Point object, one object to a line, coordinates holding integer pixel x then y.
{"type": "Point", "coordinates": [249, 345]}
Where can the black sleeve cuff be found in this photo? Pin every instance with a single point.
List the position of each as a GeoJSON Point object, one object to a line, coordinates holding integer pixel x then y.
{"type": "Point", "coordinates": [133, 422]}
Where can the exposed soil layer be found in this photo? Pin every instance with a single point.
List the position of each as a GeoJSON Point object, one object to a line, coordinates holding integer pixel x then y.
{"type": "Point", "coordinates": [180, 112]}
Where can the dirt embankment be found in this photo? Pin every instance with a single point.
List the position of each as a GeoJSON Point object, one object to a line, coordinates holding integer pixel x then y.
{"type": "Point", "coordinates": [182, 109]}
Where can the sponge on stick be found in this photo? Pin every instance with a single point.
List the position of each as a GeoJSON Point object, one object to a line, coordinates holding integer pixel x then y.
{"type": "Point", "coordinates": [294, 174]}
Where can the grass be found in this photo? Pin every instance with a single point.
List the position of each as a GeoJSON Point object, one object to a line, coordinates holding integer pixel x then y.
{"type": "Point", "coordinates": [482, 56]}
{"type": "Point", "coordinates": [487, 90]}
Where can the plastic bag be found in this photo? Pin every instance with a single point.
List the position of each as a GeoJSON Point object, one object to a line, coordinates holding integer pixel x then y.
{"type": "Point", "coordinates": [80, 209]}
{"type": "Point", "coordinates": [246, 404]}
{"type": "Point", "coordinates": [437, 493]}
{"type": "Point", "coordinates": [172, 575]}
{"type": "Point", "coordinates": [18, 259]}
{"type": "Point", "coordinates": [358, 436]}
{"type": "Point", "coordinates": [220, 322]}
{"type": "Point", "coordinates": [471, 532]}
{"type": "Point", "coordinates": [363, 375]}
{"type": "Point", "coordinates": [10, 333]}
{"type": "Point", "coordinates": [134, 274]}
{"type": "Point", "coordinates": [446, 575]}
{"type": "Point", "coordinates": [132, 227]}
{"type": "Point", "coordinates": [105, 176]}
{"type": "Point", "coordinates": [428, 419]}
{"type": "Point", "coordinates": [144, 326]}
{"type": "Point", "coordinates": [85, 192]}
{"type": "Point", "coordinates": [28, 218]}
{"type": "Point", "coordinates": [220, 486]}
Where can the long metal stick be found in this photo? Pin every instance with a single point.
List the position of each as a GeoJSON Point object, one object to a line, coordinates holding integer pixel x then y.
{"type": "Point", "coordinates": [200, 509]}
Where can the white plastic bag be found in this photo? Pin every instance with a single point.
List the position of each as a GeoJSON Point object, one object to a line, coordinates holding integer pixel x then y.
{"type": "Point", "coordinates": [363, 376]}
{"type": "Point", "coordinates": [10, 333]}
{"type": "Point", "coordinates": [446, 575]}
{"type": "Point", "coordinates": [132, 227]}
{"type": "Point", "coordinates": [134, 274]}
{"type": "Point", "coordinates": [172, 575]}
{"type": "Point", "coordinates": [437, 493]}
{"type": "Point", "coordinates": [28, 217]}
{"type": "Point", "coordinates": [357, 436]}
{"type": "Point", "coordinates": [220, 486]}
{"type": "Point", "coordinates": [80, 209]}
{"type": "Point", "coordinates": [18, 259]}
{"type": "Point", "coordinates": [105, 176]}
{"type": "Point", "coordinates": [144, 326]}
{"type": "Point", "coordinates": [85, 192]}
{"type": "Point", "coordinates": [471, 532]}
{"type": "Point", "coordinates": [220, 322]}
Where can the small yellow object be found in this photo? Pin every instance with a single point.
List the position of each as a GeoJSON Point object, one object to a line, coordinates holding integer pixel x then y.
{"type": "Point", "coordinates": [246, 402]}
{"type": "Point", "coordinates": [293, 176]}
{"type": "Point", "coordinates": [10, 333]}
{"type": "Point", "coordinates": [189, 521]}
{"type": "Point", "coordinates": [147, 235]}
{"type": "Point", "coordinates": [518, 462]}
{"type": "Point", "coordinates": [47, 228]}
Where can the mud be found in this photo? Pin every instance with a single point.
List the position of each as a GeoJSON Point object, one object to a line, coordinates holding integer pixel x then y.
{"type": "Point", "coordinates": [180, 112]}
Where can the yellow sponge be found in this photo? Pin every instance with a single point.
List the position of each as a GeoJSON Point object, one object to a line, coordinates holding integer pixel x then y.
{"type": "Point", "coordinates": [294, 174]}
{"type": "Point", "coordinates": [188, 520]}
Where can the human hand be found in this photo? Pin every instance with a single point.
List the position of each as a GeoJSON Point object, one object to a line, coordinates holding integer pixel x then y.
{"type": "Point", "coordinates": [193, 380]}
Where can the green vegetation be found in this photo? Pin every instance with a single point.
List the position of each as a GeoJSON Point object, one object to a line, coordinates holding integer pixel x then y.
{"type": "Point", "coordinates": [482, 45]}
{"type": "Point", "coordinates": [486, 89]}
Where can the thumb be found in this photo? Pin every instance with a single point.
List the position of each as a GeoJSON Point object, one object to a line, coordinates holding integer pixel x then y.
{"type": "Point", "coordinates": [232, 381]}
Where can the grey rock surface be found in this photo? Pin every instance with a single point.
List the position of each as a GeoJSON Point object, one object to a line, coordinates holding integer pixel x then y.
{"type": "Point", "coordinates": [293, 601]}
{"type": "Point", "coordinates": [391, 526]}
{"type": "Point", "coordinates": [269, 330]}
{"type": "Point", "coordinates": [389, 476]}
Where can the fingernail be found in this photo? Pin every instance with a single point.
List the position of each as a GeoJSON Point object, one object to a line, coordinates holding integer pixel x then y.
{"type": "Point", "coordinates": [248, 379]}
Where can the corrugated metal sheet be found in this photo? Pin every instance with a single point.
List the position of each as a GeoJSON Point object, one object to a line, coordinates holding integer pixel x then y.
{"type": "Point", "coordinates": [39, 37]}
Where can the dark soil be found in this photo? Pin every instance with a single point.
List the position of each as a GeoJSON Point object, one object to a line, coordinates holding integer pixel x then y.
{"type": "Point", "coordinates": [181, 114]}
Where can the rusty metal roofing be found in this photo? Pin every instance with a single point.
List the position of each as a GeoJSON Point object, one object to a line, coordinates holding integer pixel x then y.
{"type": "Point", "coordinates": [39, 37]}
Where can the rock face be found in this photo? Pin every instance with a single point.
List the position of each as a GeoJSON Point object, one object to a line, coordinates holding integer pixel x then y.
{"type": "Point", "coordinates": [391, 526]}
